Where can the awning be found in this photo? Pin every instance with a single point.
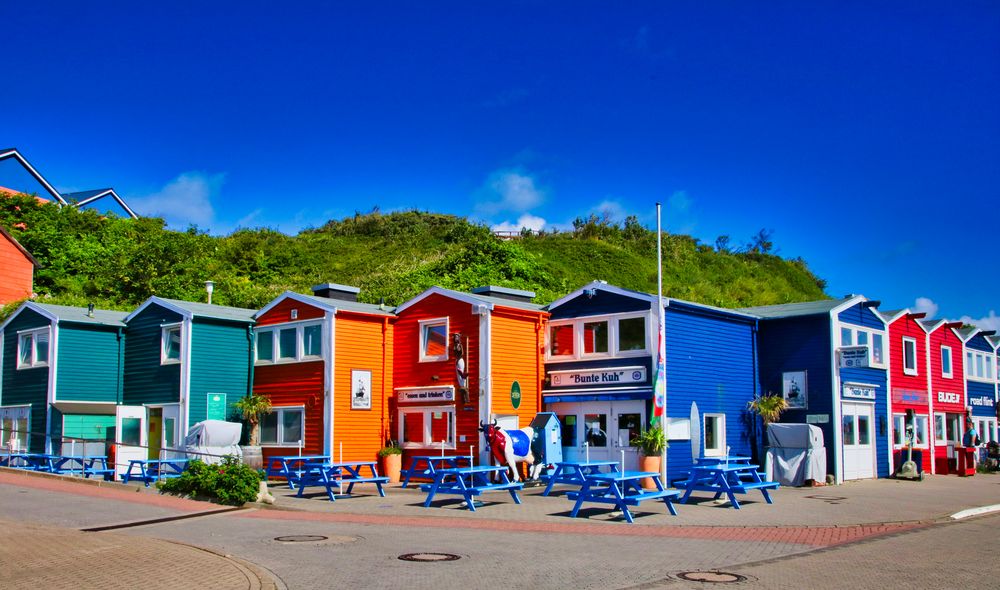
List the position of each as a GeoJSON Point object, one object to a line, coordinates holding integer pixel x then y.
{"type": "Point", "coordinates": [596, 395]}
{"type": "Point", "coordinates": [99, 408]}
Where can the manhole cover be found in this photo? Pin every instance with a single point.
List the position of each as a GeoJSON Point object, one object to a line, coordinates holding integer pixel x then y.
{"type": "Point", "coordinates": [712, 577]}
{"type": "Point", "coordinates": [301, 538]}
{"type": "Point", "coordinates": [429, 557]}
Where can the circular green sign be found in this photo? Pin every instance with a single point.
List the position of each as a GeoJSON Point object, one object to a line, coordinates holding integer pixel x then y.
{"type": "Point", "coordinates": [515, 394]}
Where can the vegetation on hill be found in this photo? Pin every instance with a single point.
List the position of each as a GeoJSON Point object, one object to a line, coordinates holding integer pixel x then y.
{"type": "Point", "coordinates": [117, 263]}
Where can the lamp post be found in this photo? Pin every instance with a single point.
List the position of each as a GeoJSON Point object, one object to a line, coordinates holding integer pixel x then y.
{"type": "Point", "coordinates": [210, 287]}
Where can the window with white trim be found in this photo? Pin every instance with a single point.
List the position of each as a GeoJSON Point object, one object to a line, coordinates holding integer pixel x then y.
{"type": "Point", "coordinates": [946, 362]}
{"type": "Point", "coordinates": [433, 340]}
{"type": "Point", "coordinates": [426, 427]}
{"type": "Point", "coordinates": [170, 344]}
{"type": "Point", "coordinates": [979, 365]}
{"type": "Point", "coordinates": [15, 423]}
{"type": "Point", "coordinates": [946, 428]}
{"type": "Point", "coordinates": [33, 348]}
{"type": "Point", "coordinates": [715, 435]}
{"type": "Point", "coordinates": [873, 339]}
{"type": "Point", "coordinates": [283, 427]}
{"type": "Point", "coordinates": [598, 337]}
{"type": "Point", "coordinates": [987, 430]}
{"type": "Point", "coordinates": [919, 424]}
{"type": "Point", "coordinates": [290, 343]}
{"type": "Point", "coordinates": [909, 356]}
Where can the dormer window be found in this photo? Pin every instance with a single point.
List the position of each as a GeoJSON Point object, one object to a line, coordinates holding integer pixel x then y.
{"type": "Point", "coordinates": [170, 344]}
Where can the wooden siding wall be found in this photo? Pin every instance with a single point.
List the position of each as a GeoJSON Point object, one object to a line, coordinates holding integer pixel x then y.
{"type": "Point", "coordinates": [907, 327]}
{"type": "Point", "coordinates": [955, 383]}
{"type": "Point", "coordinates": [601, 303]}
{"type": "Point", "coordinates": [295, 384]}
{"type": "Point", "coordinates": [516, 355]}
{"type": "Point", "coordinates": [146, 380]}
{"type": "Point", "coordinates": [710, 362]}
{"type": "Point", "coordinates": [25, 386]}
{"type": "Point", "coordinates": [220, 363]}
{"type": "Point", "coordinates": [863, 316]}
{"type": "Point", "coordinates": [363, 342]}
{"type": "Point", "coordinates": [282, 313]}
{"type": "Point", "coordinates": [88, 369]}
{"type": "Point", "coordinates": [16, 273]}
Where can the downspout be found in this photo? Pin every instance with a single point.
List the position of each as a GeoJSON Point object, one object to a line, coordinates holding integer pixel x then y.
{"type": "Point", "coordinates": [251, 353]}
{"type": "Point", "coordinates": [756, 390]}
{"type": "Point", "coordinates": [120, 377]}
{"type": "Point", "coordinates": [538, 361]}
{"type": "Point", "coordinates": [385, 402]}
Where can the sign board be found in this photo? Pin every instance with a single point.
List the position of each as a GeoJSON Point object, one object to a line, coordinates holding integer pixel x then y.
{"type": "Point", "coordinates": [982, 401]}
{"type": "Point", "coordinates": [853, 356]}
{"type": "Point", "coordinates": [426, 394]}
{"type": "Point", "coordinates": [945, 397]}
{"type": "Point", "coordinates": [216, 406]}
{"type": "Point", "coordinates": [515, 394]}
{"type": "Point", "coordinates": [609, 376]}
{"type": "Point", "coordinates": [817, 418]}
{"type": "Point", "coordinates": [909, 396]}
{"type": "Point", "coordinates": [678, 429]}
{"type": "Point", "coordinates": [859, 391]}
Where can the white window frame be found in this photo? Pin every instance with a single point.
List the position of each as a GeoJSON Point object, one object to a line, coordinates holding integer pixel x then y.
{"type": "Point", "coordinates": [300, 345]}
{"type": "Point", "coordinates": [720, 451]}
{"type": "Point", "coordinates": [14, 413]}
{"type": "Point", "coordinates": [988, 430]}
{"type": "Point", "coordinates": [872, 333]}
{"type": "Point", "coordinates": [899, 425]}
{"type": "Point", "coordinates": [31, 336]}
{"type": "Point", "coordinates": [165, 331]}
{"type": "Point", "coordinates": [278, 411]}
{"type": "Point", "coordinates": [428, 441]}
{"type": "Point", "coordinates": [979, 365]}
{"type": "Point", "coordinates": [614, 342]}
{"type": "Point", "coordinates": [423, 326]}
{"type": "Point", "coordinates": [911, 342]}
{"type": "Point", "coordinates": [951, 363]}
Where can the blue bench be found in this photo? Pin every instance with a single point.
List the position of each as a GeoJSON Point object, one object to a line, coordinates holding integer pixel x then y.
{"type": "Point", "coordinates": [335, 475]}
{"type": "Point", "coordinates": [469, 482]}
{"type": "Point", "coordinates": [622, 490]}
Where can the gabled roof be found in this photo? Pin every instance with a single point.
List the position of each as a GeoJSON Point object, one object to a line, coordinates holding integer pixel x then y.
{"type": "Point", "coordinates": [932, 325]}
{"type": "Point", "coordinates": [994, 341]}
{"type": "Point", "coordinates": [85, 198]}
{"type": "Point", "coordinates": [891, 316]}
{"type": "Point", "coordinates": [18, 245]}
{"type": "Point", "coordinates": [807, 308]}
{"type": "Point", "coordinates": [13, 153]}
{"type": "Point", "coordinates": [191, 309]}
{"type": "Point", "coordinates": [65, 313]}
{"type": "Point", "coordinates": [471, 299]}
{"type": "Point", "coordinates": [667, 301]}
{"type": "Point", "coordinates": [331, 305]}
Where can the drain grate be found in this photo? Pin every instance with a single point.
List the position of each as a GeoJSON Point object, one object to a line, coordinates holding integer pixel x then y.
{"type": "Point", "coordinates": [712, 577]}
{"type": "Point", "coordinates": [429, 557]}
{"type": "Point", "coordinates": [301, 538]}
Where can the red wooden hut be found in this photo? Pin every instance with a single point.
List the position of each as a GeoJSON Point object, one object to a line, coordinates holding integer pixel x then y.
{"type": "Point", "coordinates": [909, 375]}
{"type": "Point", "coordinates": [947, 391]}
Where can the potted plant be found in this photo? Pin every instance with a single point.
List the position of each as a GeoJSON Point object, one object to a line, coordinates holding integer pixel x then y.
{"type": "Point", "coordinates": [769, 407]}
{"type": "Point", "coordinates": [392, 460]}
{"type": "Point", "coordinates": [651, 443]}
{"type": "Point", "coordinates": [253, 407]}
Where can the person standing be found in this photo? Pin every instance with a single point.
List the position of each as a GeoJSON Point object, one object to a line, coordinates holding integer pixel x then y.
{"type": "Point", "coordinates": [971, 440]}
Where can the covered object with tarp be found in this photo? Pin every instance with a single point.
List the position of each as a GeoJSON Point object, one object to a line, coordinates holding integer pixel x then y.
{"type": "Point", "coordinates": [210, 440]}
{"type": "Point", "coordinates": [795, 454]}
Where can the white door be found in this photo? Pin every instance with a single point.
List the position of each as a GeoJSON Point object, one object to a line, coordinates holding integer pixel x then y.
{"type": "Point", "coordinates": [600, 431]}
{"type": "Point", "coordinates": [130, 436]}
{"type": "Point", "coordinates": [171, 431]}
{"type": "Point", "coordinates": [858, 433]}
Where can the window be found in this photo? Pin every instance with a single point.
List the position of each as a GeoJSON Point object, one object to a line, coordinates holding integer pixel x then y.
{"type": "Point", "coordinates": [427, 427]}
{"type": "Point", "coordinates": [283, 427]}
{"type": "Point", "coordinates": [605, 336]}
{"type": "Point", "coordinates": [846, 337]}
{"type": "Point", "coordinates": [939, 429]}
{"type": "Point", "coordinates": [568, 428]}
{"type": "Point", "coordinates": [899, 434]}
{"type": "Point", "coordinates": [632, 334]}
{"type": "Point", "coordinates": [909, 356]}
{"type": "Point", "coordinates": [33, 349]}
{"type": "Point", "coordinates": [14, 428]}
{"type": "Point", "coordinates": [170, 344]}
{"type": "Point", "coordinates": [595, 338]}
{"type": "Point", "coordinates": [596, 427]}
{"type": "Point", "coordinates": [946, 361]}
{"type": "Point", "coordinates": [873, 339]}
{"type": "Point", "coordinates": [898, 430]}
{"type": "Point", "coordinates": [433, 340]}
{"type": "Point", "coordinates": [293, 343]}
{"type": "Point", "coordinates": [979, 365]}
{"type": "Point", "coordinates": [920, 431]}
{"type": "Point", "coordinates": [715, 435]}
{"type": "Point", "coordinates": [988, 430]}
{"type": "Point", "coordinates": [561, 340]}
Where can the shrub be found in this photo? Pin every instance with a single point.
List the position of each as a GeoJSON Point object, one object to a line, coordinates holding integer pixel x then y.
{"type": "Point", "coordinates": [390, 448]}
{"type": "Point", "coordinates": [231, 482]}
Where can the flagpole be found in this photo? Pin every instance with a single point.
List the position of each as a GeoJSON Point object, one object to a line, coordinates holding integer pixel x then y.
{"type": "Point", "coordinates": [660, 386]}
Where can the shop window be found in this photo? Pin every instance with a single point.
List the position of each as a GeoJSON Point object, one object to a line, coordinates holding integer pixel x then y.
{"type": "Point", "coordinates": [14, 426]}
{"type": "Point", "coordinates": [283, 427]}
{"type": "Point", "coordinates": [33, 349]}
{"type": "Point", "coordinates": [170, 345]}
{"type": "Point", "coordinates": [909, 356]}
{"type": "Point", "coordinates": [427, 427]}
{"type": "Point", "coordinates": [567, 426]}
{"type": "Point", "coordinates": [632, 334]}
{"type": "Point", "coordinates": [946, 361]}
{"type": "Point", "coordinates": [939, 429]}
{"type": "Point", "coordinates": [715, 435]}
{"type": "Point", "coordinates": [596, 426]}
{"type": "Point", "coordinates": [595, 338]}
{"type": "Point", "coordinates": [920, 431]}
{"type": "Point", "coordinates": [898, 430]}
{"type": "Point", "coordinates": [434, 340]}
{"type": "Point", "coordinates": [561, 340]}
{"type": "Point", "coordinates": [629, 427]}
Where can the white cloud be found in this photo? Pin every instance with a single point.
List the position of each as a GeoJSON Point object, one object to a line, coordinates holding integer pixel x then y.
{"type": "Point", "coordinates": [184, 200]}
{"type": "Point", "coordinates": [509, 190]}
{"type": "Point", "coordinates": [990, 322]}
{"type": "Point", "coordinates": [679, 202]}
{"type": "Point", "coordinates": [527, 221]}
{"type": "Point", "coordinates": [925, 305]}
{"type": "Point", "coordinates": [613, 209]}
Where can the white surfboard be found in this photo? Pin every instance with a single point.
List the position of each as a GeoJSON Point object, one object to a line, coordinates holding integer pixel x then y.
{"type": "Point", "coordinates": [695, 432]}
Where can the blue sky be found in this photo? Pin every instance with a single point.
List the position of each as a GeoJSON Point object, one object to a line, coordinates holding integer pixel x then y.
{"type": "Point", "coordinates": [866, 137]}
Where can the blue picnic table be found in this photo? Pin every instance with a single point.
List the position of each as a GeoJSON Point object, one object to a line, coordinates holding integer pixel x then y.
{"type": "Point", "coordinates": [425, 466]}
{"type": "Point", "coordinates": [622, 489]}
{"type": "Point", "coordinates": [336, 475]}
{"type": "Point", "coordinates": [575, 472]}
{"type": "Point", "coordinates": [728, 479]}
{"type": "Point", "coordinates": [470, 481]}
{"type": "Point", "coordinates": [29, 461]}
{"type": "Point", "coordinates": [154, 469]}
{"type": "Point", "coordinates": [291, 467]}
{"type": "Point", "coordinates": [87, 465]}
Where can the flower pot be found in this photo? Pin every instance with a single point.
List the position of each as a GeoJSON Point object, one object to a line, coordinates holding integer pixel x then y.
{"type": "Point", "coordinates": [649, 464]}
{"type": "Point", "coordinates": [391, 465]}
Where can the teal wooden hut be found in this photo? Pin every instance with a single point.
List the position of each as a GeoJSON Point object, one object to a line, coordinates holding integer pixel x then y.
{"type": "Point", "coordinates": [60, 376]}
{"type": "Point", "coordinates": [184, 362]}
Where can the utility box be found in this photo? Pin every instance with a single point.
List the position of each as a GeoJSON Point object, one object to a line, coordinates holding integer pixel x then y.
{"type": "Point", "coordinates": [546, 444]}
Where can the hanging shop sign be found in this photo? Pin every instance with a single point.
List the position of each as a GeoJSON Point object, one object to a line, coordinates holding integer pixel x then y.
{"type": "Point", "coordinates": [853, 356]}
{"type": "Point", "coordinates": [515, 395]}
{"type": "Point", "coordinates": [425, 394]}
{"type": "Point", "coordinates": [610, 376]}
{"type": "Point", "coordinates": [859, 391]}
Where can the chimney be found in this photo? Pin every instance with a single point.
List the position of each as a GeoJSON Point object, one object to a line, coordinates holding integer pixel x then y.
{"type": "Point", "coordinates": [505, 293]}
{"type": "Point", "coordinates": [335, 291]}
{"type": "Point", "coordinates": [90, 310]}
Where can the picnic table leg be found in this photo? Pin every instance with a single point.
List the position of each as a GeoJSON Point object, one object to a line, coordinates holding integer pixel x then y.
{"type": "Point", "coordinates": [328, 484]}
{"type": "Point", "coordinates": [552, 480]}
{"type": "Point", "coordinates": [766, 495]}
{"type": "Point", "coordinates": [581, 496]}
{"type": "Point", "coordinates": [620, 501]}
{"type": "Point", "coordinates": [466, 492]}
{"type": "Point", "coordinates": [687, 492]}
{"type": "Point", "coordinates": [666, 499]}
{"type": "Point", "coordinates": [513, 492]}
{"type": "Point", "coordinates": [434, 489]}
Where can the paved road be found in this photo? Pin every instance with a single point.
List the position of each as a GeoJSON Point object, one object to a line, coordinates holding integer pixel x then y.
{"type": "Point", "coordinates": [881, 526]}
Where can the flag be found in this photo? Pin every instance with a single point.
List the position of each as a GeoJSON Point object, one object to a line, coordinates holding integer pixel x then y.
{"type": "Point", "coordinates": [660, 378]}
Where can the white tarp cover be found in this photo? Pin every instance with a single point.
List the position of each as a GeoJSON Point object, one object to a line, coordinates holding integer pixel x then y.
{"type": "Point", "coordinates": [795, 453]}
{"type": "Point", "coordinates": [214, 437]}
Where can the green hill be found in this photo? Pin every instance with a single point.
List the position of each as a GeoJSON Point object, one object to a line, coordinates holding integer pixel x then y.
{"type": "Point", "coordinates": [117, 263]}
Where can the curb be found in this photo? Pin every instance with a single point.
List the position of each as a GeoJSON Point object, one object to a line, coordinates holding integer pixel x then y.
{"type": "Point", "coordinates": [260, 578]}
{"type": "Point", "coordinates": [978, 511]}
